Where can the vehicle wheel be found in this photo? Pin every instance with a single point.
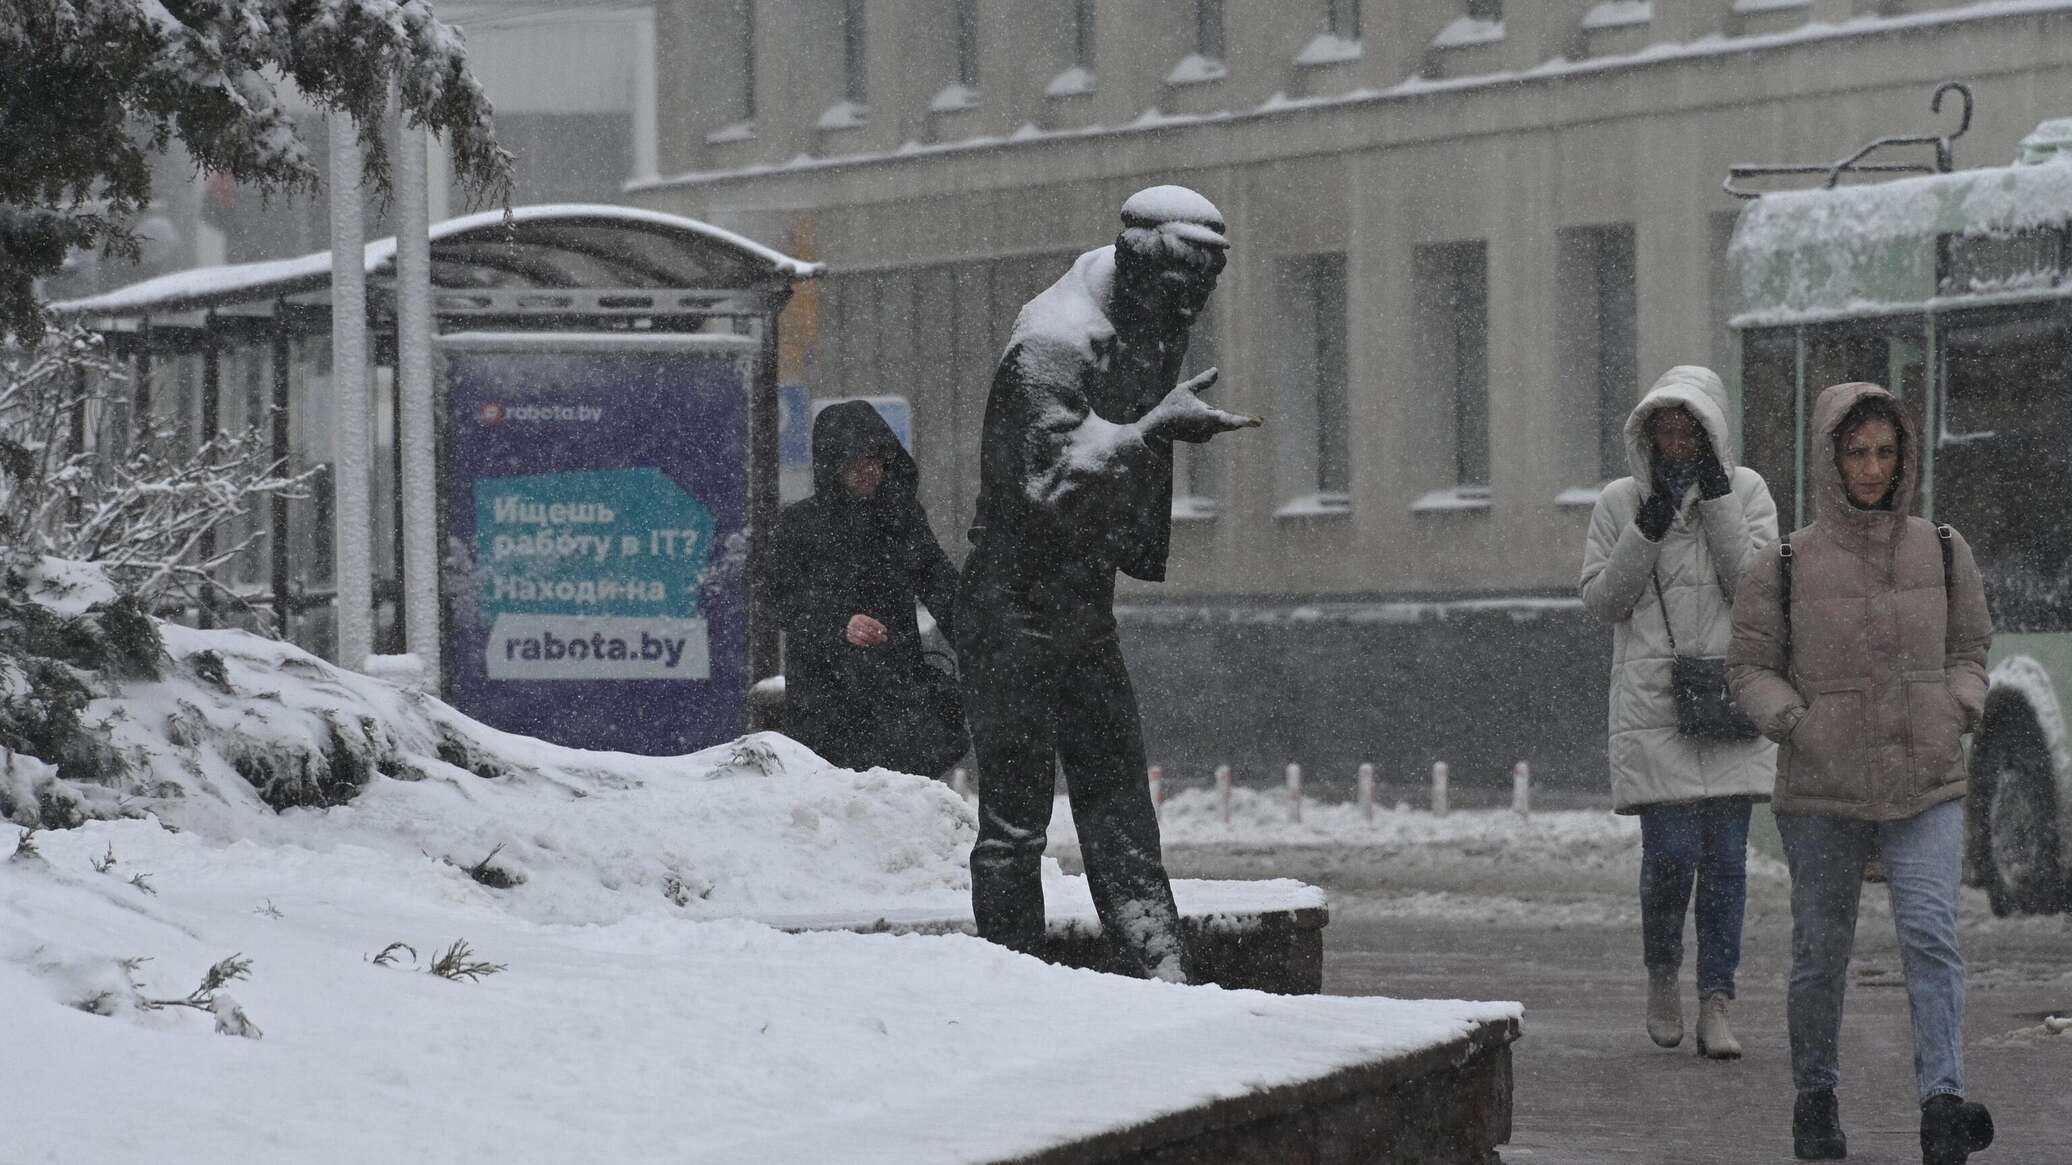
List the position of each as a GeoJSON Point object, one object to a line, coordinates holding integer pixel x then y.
{"type": "Point", "coordinates": [2016, 800]}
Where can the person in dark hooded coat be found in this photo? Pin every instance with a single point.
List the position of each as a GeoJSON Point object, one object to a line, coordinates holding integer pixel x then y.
{"type": "Point", "coordinates": [846, 567]}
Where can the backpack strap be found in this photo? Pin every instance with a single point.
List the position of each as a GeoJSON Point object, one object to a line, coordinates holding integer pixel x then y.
{"type": "Point", "coordinates": [1784, 588]}
{"type": "Point", "coordinates": [1944, 534]}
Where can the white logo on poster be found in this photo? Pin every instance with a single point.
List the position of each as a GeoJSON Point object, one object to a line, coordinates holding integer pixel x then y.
{"type": "Point", "coordinates": [580, 647]}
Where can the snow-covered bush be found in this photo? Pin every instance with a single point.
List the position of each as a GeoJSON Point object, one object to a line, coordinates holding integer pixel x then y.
{"type": "Point", "coordinates": [143, 509]}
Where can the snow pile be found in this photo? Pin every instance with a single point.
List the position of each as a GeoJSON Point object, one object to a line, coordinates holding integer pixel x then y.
{"type": "Point", "coordinates": [645, 1038]}
{"type": "Point", "coordinates": [238, 725]}
{"type": "Point", "coordinates": [591, 997]}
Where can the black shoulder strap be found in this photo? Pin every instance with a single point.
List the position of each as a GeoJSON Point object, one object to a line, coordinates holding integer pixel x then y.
{"type": "Point", "coordinates": [1943, 534]}
{"type": "Point", "coordinates": [1784, 588]}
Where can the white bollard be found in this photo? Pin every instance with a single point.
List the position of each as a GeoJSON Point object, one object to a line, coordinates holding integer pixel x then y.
{"type": "Point", "coordinates": [1439, 774]}
{"type": "Point", "coordinates": [960, 783]}
{"type": "Point", "coordinates": [1223, 791]}
{"type": "Point", "coordinates": [1521, 788]}
{"type": "Point", "coordinates": [1295, 792]}
{"type": "Point", "coordinates": [1155, 777]}
{"type": "Point", "coordinates": [1366, 784]}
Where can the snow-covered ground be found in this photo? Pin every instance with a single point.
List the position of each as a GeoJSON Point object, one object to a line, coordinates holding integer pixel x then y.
{"type": "Point", "coordinates": [616, 999]}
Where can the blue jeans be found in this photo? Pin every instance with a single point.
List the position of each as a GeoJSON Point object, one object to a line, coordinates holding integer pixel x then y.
{"type": "Point", "coordinates": [1922, 855]}
{"type": "Point", "coordinates": [1706, 841]}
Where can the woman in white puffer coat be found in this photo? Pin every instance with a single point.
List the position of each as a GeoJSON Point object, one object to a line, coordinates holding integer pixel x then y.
{"type": "Point", "coordinates": [1666, 548]}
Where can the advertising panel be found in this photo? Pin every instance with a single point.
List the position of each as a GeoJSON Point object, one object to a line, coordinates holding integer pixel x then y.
{"type": "Point", "coordinates": [596, 498]}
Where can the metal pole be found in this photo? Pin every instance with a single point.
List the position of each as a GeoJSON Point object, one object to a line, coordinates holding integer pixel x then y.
{"type": "Point", "coordinates": [211, 426]}
{"type": "Point", "coordinates": [283, 616]}
{"type": "Point", "coordinates": [352, 418]}
{"type": "Point", "coordinates": [416, 483]}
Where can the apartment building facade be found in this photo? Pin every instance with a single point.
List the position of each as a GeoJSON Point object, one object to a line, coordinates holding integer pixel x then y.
{"type": "Point", "coordinates": [1467, 235]}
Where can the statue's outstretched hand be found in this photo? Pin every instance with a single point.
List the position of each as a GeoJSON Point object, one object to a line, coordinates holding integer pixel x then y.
{"type": "Point", "coordinates": [1182, 415]}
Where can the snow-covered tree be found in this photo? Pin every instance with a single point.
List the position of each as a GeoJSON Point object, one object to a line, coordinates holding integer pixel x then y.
{"type": "Point", "coordinates": [90, 90]}
{"type": "Point", "coordinates": [142, 508]}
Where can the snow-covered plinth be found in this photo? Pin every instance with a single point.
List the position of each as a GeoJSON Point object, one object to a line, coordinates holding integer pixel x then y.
{"type": "Point", "coordinates": [1266, 934]}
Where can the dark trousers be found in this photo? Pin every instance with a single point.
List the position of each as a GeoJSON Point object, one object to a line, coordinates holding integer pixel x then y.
{"type": "Point", "coordinates": [1033, 702]}
{"type": "Point", "coordinates": [1706, 840]}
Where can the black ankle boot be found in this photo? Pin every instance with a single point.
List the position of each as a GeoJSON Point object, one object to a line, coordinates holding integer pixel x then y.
{"type": "Point", "coordinates": [1952, 1129]}
{"type": "Point", "coordinates": [1816, 1127]}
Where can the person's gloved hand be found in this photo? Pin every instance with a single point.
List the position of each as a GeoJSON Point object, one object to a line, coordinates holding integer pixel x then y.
{"type": "Point", "coordinates": [1713, 481]}
{"type": "Point", "coordinates": [1656, 512]}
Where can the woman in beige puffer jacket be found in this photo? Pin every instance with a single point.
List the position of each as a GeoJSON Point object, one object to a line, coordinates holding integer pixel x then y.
{"type": "Point", "coordinates": [1865, 661]}
{"type": "Point", "coordinates": [1665, 551]}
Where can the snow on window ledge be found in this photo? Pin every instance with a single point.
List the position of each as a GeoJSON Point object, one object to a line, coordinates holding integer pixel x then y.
{"type": "Point", "coordinates": [1458, 499]}
{"type": "Point", "coordinates": [844, 115]}
{"type": "Point", "coordinates": [1076, 81]}
{"type": "Point", "coordinates": [1618, 14]}
{"type": "Point", "coordinates": [1743, 6]}
{"type": "Point", "coordinates": [1194, 508]}
{"type": "Point", "coordinates": [1328, 48]}
{"type": "Point", "coordinates": [954, 98]}
{"type": "Point", "coordinates": [1466, 31]}
{"type": "Point", "coordinates": [1316, 505]}
{"type": "Point", "coordinates": [1578, 496]}
{"type": "Point", "coordinates": [740, 131]}
{"type": "Point", "coordinates": [1194, 69]}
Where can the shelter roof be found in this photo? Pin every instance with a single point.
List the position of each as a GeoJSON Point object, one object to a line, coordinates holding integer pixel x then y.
{"type": "Point", "coordinates": [553, 246]}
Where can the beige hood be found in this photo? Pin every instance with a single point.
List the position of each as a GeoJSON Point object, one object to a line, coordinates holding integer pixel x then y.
{"type": "Point", "coordinates": [1830, 498]}
{"type": "Point", "coordinates": [1687, 386]}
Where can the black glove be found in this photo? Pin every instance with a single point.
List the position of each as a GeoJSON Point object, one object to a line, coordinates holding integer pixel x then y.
{"type": "Point", "coordinates": [1713, 481]}
{"type": "Point", "coordinates": [1656, 512]}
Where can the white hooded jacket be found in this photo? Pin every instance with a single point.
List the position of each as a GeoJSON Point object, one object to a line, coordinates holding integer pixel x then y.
{"type": "Point", "coordinates": [1698, 562]}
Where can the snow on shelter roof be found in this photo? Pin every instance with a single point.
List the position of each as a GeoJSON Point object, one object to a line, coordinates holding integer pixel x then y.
{"type": "Point", "coordinates": [1802, 254]}
{"type": "Point", "coordinates": [570, 245]}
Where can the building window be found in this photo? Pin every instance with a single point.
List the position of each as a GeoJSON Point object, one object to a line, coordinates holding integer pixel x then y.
{"type": "Point", "coordinates": [1596, 322]}
{"type": "Point", "coordinates": [1083, 33]}
{"type": "Point", "coordinates": [1452, 281]}
{"type": "Point", "coordinates": [854, 62]}
{"type": "Point", "coordinates": [967, 43]}
{"type": "Point", "coordinates": [1486, 9]}
{"type": "Point", "coordinates": [1315, 464]}
{"type": "Point", "coordinates": [1342, 18]}
{"type": "Point", "coordinates": [747, 60]}
{"type": "Point", "coordinates": [1208, 29]}
{"type": "Point", "coordinates": [1195, 467]}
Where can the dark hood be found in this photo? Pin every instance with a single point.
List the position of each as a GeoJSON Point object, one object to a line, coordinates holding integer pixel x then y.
{"type": "Point", "coordinates": [842, 431]}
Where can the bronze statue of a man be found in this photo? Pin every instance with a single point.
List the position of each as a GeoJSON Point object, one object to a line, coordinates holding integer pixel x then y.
{"type": "Point", "coordinates": [1076, 482]}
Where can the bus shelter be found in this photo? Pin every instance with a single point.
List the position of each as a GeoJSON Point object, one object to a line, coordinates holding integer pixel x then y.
{"type": "Point", "coordinates": [606, 449]}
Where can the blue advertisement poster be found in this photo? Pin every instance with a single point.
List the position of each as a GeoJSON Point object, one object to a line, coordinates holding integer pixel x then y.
{"type": "Point", "coordinates": [596, 500]}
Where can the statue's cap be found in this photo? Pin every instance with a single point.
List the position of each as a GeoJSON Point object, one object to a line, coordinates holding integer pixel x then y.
{"type": "Point", "coordinates": [1177, 211]}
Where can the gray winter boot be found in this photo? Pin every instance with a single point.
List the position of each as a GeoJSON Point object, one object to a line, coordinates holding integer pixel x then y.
{"type": "Point", "coordinates": [1715, 1039]}
{"type": "Point", "coordinates": [1665, 1009]}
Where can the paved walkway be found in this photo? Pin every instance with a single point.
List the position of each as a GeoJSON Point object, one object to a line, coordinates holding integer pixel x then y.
{"type": "Point", "coordinates": [1591, 1088]}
